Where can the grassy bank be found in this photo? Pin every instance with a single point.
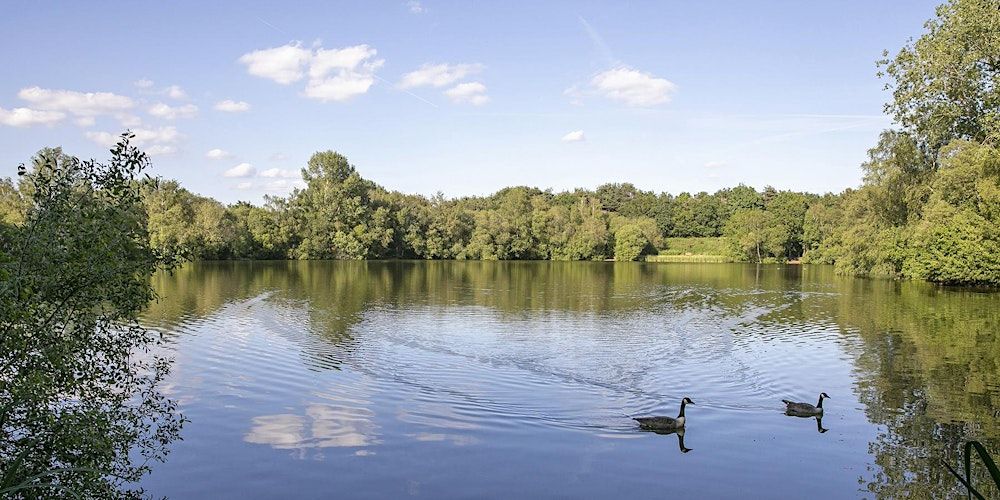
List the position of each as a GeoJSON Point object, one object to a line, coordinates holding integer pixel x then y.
{"type": "Point", "coordinates": [687, 258]}
{"type": "Point", "coordinates": [692, 250]}
{"type": "Point", "coordinates": [694, 246]}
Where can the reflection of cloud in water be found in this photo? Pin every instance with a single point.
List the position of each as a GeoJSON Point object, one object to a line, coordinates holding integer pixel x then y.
{"type": "Point", "coordinates": [322, 426]}
{"type": "Point", "coordinates": [456, 439]}
{"type": "Point", "coordinates": [437, 415]}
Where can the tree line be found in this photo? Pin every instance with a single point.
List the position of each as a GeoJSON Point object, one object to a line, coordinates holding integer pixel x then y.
{"type": "Point", "coordinates": [928, 207]}
{"type": "Point", "coordinates": [341, 215]}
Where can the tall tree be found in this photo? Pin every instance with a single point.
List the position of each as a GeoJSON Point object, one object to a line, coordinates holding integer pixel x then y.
{"type": "Point", "coordinates": [81, 414]}
{"type": "Point", "coordinates": [945, 84]}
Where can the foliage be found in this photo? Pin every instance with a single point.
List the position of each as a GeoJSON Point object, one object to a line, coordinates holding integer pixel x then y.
{"type": "Point", "coordinates": [756, 234]}
{"type": "Point", "coordinates": [629, 242]}
{"type": "Point", "coordinates": [944, 85]}
{"type": "Point", "coordinates": [928, 206]}
{"type": "Point", "coordinates": [80, 413]}
{"type": "Point", "coordinates": [694, 246]}
{"type": "Point", "coordinates": [987, 460]}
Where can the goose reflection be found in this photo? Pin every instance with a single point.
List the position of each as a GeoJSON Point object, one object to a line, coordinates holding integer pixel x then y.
{"type": "Point", "coordinates": [819, 425]}
{"type": "Point", "coordinates": [819, 421]}
{"type": "Point", "coordinates": [680, 437]}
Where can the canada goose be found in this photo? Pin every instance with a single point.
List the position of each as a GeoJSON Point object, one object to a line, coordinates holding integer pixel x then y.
{"type": "Point", "coordinates": [664, 423]}
{"type": "Point", "coordinates": [804, 409]}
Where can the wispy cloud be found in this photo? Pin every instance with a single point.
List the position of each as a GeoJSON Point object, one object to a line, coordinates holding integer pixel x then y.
{"type": "Point", "coordinates": [76, 103]}
{"type": "Point", "coordinates": [598, 41]}
{"type": "Point", "coordinates": [218, 154]}
{"type": "Point", "coordinates": [231, 106]}
{"type": "Point", "coordinates": [26, 117]}
{"type": "Point", "coordinates": [470, 92]}
{"type": "Point", "coordinates": [438, 75]}
{"type": "Point", "coordinates": [574, 136]}
{"type": "Point", "coordinates": [334, 74]}
{"type": "Point", "coordinates": [415, 7]}
{"type": "Point", "coordinates": [143, 136]}
{"type": "Point", "coordinates": [167, 112]}
{"type": "Point", "coordinates": [281, 173]}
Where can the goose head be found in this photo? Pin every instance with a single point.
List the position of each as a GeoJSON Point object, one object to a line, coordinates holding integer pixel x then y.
{"type": "Point", "coordinates": [823, 395]}
{"type": "Point", "coordinates": [687, 401]}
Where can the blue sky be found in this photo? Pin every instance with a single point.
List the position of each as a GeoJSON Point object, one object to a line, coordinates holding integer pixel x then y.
{"type": "Point", "coordinates": [461, 97]}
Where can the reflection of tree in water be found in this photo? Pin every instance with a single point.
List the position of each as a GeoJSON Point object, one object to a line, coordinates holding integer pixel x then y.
{"type": "Point", "coordinates": [928, 376]}
{"type": "Point", "coordinates": [335, 295]}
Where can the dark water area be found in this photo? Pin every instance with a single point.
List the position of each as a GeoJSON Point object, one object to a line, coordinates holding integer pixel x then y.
{"type": "Point", "coordinates": [517, 379]}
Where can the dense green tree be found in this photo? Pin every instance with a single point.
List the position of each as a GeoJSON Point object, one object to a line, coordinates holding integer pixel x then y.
{"type": "Point", "coordinates": [615, 196]}
{"type": "Point", "coordinates": [944, 85]}
{"type": "Point", "coordinates": [741, 197]}
{"type": "Point", "coordinates": [335, 215]}
{"type": "Point", "coordinates": [958, 239]}
{"type": "Point", "coordinates": [820, 229]}
{"type": "Point", "coordinates": [629, 242]}
{"type": "Point", "coordinates": [789, 209]}
{"type": "Point", "coordinates": [755, 234]}
{"type": "Point", "coordinates": [80, 410]}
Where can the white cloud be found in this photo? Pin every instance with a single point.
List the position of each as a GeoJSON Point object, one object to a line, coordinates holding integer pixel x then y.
{"type": "Point", "coordinates": [715, 164]}
{"type": "Point", "coordinates": [415, 7]}
{"type": "Point", "coordinates": [282, 64]}
{"type": "Point", "coordinates": [334, 74]}
{"type": "Point", "coordinates": [283, 185]}
{"type": "Point", "coordinates": [438, 75]}
{"type": "Point", "coordinates": [241, 170]}
{"type": "Point", "coordinates": [277, 172]}
{"type": "Point", "coordinates": [158, 136]}
{"type": "Point", "coordinates": [25, 117]}
{"type": "Point", "coordinates": [218, 154]}
{"type": "Point", "coordinates": [244, 185]}
{"type": "Point", "coordinates": [348, 58]}
{"type": "Point", "coordinates": [231, 106]}
{"type": "Point", "coordinates": [128, 120]}
{"type": "Point", "coordinates": [76, 103]}
{"type": "Point", "coordinates": [471, 92]}
{"type": "Point", "coordinates": [338, 88]}
{"type": "Point", "coordinates": [160, 150]}
{"type": "Point", "coordinates": [574, 136]}
{"type": "Point", "coordinates": [166, 112]}
{"type": "Point", "coordinates": [85, 121]}
{"type": "Point", "coordinates": [633, 87]}
{"type": "Point", "coordinates": [103, 138]}
{"type": "Point", "coordinates": [175, 92]}
{"type": "Point", "coordinates": [144, 83]}
{"type": "Point", "coordinates": [352, 69]}
{"type": "Point", "coordinates": [162, 135]}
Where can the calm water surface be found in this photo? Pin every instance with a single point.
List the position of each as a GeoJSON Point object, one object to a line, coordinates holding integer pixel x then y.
{"type": "Point", "coordinates": [515, 379]}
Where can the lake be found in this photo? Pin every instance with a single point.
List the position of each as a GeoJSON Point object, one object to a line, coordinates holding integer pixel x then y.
{"type": "Point", "coordinates": [517, 380]}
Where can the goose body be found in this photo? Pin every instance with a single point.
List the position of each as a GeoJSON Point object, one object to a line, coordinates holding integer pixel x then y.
{"type": "Point", "coordinates": [805, 409]}
{"type": "Point", "coordinates": [660, 423]}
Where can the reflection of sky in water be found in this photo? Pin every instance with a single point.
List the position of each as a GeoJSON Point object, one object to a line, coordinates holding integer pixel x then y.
{"type": "Point", "coordinates": [516, 380]}
{"type": "Point", "coordinates": [322, 426]}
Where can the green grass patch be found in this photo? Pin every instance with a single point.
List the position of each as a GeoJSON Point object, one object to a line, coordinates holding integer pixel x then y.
{"type": "Point", "coordinates": [694, 246]}
{"type": "Point", "coordinates": [687, 258]}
